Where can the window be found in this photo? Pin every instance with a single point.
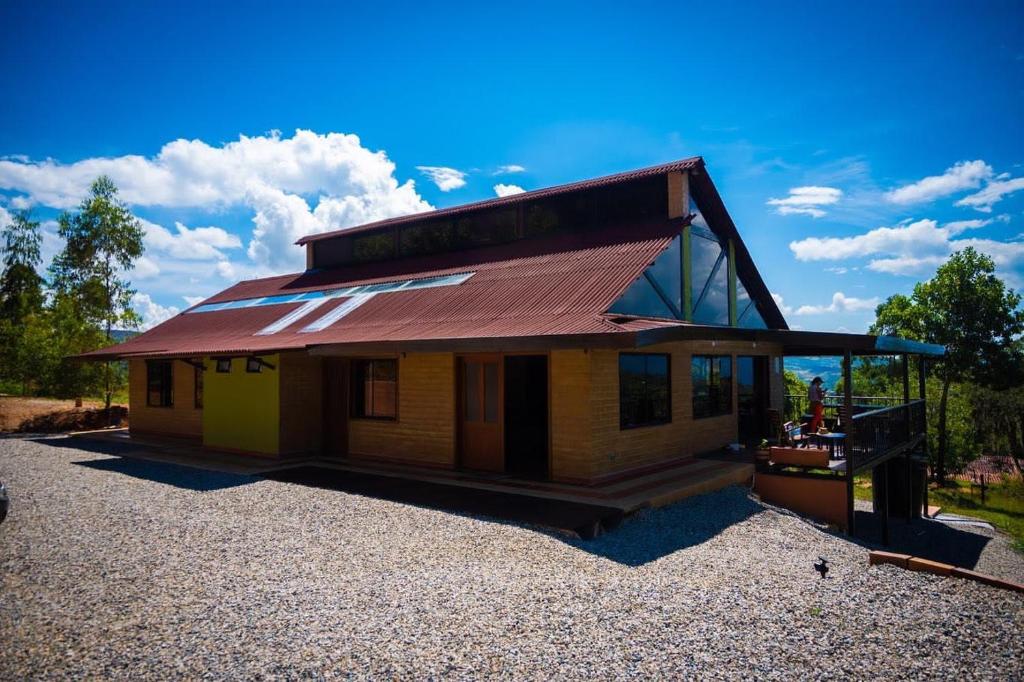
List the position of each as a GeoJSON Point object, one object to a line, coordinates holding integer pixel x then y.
{"type": "Point", "coordinates": [709, 263]}
{"type": "Point", "coordinates": [373, 247]}
{"type": "Point", "coordinates": [375, 388]}
{"type": "Point", "coordinates": [644, 390]}
{"type": "Point", "coordinates": [658, 292]}
{"type": "Point", "coordinates": [253, 365]}
{"type": "Point", "coordinates": [712, 385]}
{"type": "Point", "coordinates": [223, 365]}
{"type": "Point", "coordinates": [197, 396]}
{"type": "Point", "coordinates": [159, 383]}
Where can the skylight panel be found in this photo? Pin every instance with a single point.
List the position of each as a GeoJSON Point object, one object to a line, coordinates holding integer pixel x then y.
{"type": "Point", "coordinates": [338, 313]}
{"type": "Point", "coordinates": [330, 294]}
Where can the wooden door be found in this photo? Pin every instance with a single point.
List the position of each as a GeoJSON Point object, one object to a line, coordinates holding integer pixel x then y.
{"type": "Point", "coordinates": [480, 412]}
{"type": "Point", "coordinates": [335, 393]}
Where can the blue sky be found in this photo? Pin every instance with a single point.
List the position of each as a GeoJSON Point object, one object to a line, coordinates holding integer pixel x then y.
{"type": "Point", "coordinates": [855, 145]}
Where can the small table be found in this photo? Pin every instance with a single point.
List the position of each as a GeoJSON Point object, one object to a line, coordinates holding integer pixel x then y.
{"type": "Point", "coordinates": [835, 442]}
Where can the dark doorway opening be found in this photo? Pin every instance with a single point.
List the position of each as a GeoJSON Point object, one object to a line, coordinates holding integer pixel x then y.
{"type": "Point", "coordinates": [752, 393]}
{"type": "Point", "coordinates": [526, 415]}
{"type": "Point", "coordinates": [335, 395]}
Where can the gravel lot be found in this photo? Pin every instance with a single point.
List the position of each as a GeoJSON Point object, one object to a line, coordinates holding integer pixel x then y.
{"type": "Point", "coordinates": [112, 567]}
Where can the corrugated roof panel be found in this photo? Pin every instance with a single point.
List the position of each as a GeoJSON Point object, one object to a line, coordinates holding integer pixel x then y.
{"type": "Point", "coordinates": [561, 288]}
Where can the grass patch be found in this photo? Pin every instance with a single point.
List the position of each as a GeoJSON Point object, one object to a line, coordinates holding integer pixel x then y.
{"type": "Point", "coordinates": [1003, 507]}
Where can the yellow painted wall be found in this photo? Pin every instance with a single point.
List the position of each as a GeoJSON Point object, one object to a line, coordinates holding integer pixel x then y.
{"type": "Point", "coordinates": [182, 419]}
{"type": "Point", "coordinates": [424, 432]}
{"type": "Point", "coordinates": [241, 410]}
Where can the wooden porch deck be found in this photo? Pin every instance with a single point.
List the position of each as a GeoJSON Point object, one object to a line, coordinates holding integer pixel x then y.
{"type": "Point", "coordinates": [676, 481]}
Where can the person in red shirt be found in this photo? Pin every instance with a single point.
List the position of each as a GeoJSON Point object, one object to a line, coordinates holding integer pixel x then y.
{"type": "Point", "coordinates": [816, 397]}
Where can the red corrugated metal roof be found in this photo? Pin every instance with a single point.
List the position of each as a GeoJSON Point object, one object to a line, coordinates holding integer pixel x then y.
{"type": "Point", "coordinates": [554, 286]}
{"type": "Point", "coordinates": [512, 200]}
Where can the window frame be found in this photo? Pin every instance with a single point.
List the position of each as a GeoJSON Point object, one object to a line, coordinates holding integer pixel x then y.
{"type": "Point", "coordinates": [166, 391]}
{"type": "Point", "coordinates": [357, 383]}
{"type": "Point", "coordinates": [623, 426]}
{"type": "Point", "coordinates": [714, 386]}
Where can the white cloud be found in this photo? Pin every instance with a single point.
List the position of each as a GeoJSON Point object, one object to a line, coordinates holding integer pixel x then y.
{"type": "Point", "coordinates": [194, 300]}
{"type": "Point", "coordinates": [915, 248]}
{"type": "Point", "coordinates": [200, 243]}
{"type": "Point", "coordinates": [841, 303]}
{"type": "Point", "coordinates": [445, 178]}
{"type": "Point", "coordinates": [992, 193]}
{"type": "Point", "coordinates": [783, 308]}
{"type": "Point", "coordinates": [961, 176]}
{"type": "Point", "coordinates": [151, 312]}
{"type": "Point", "coordinates": [273, 176]}
{"type": "Point", "coordinates": [806, 201]}
{"type": "Point", "coordinates": [503, 190]}
{"type": "Point", "coordinates": [838, 270]}
{"type": "Point", "coordinates": [509, 169]}
{"type": "Point", "coordinates": [909, 239]}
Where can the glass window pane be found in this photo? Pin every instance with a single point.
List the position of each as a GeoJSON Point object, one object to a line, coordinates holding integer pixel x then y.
{"type": "Point", "coordinates": [471, 391]}
{"type": "Point", "coordinates": [724, 385]}
{"type": "Point", "coordinates": [700, 378]}
{"type": "Point", "coordinates": [710, 281]}
{"type": "Point", "coordinates": [658, 398]}
{"type": "Point", "coordinates": [644, 390]}
{"type": "Point", "coordinates": [642, 300]}
{"type": "Point", "coordinates": [491, 391]}
{"type": "Point", "coordinates": [698, 217]}
{"type": "Point", "coordinates": [373, 247]}
{"type": "Point", "coordinates": [668, 274]}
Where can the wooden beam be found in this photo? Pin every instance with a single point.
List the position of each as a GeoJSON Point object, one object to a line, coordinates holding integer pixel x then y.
{"type": "Point", "coordinates": [678, 195]}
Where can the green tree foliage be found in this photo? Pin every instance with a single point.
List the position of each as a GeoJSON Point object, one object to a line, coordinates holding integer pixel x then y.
{"type": "Point", "coordinates": [21, 293]}
{"type": "Point", "coordinates": [970, 311]}
{"type": "Point", "coordinates": [103, 241]}
{"type": "Point", "coordinates": [794, 385]}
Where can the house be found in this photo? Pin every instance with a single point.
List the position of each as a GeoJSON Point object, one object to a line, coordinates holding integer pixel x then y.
{"type": "Point", "coordinates": [577, 334]}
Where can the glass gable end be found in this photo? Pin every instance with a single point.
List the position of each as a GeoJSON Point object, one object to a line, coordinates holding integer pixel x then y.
{"type": "Point", "coordinates": [659, 291]}
{"type": "Point", "coordinates": [747, 314]}
{"type": "Point", "coordinates": [710, 272]}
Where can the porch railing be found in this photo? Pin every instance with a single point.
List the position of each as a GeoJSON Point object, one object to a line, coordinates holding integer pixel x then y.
{"type": "Point", "coordinates": [797, 405]}
{"type": "Point", "coordinates": [881, 433]}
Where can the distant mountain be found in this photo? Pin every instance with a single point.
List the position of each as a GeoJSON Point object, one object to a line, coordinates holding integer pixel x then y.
{"type": "Point", "coordinates": [828, 368]}
{"type": "Point", "coordinates": [122, 335]}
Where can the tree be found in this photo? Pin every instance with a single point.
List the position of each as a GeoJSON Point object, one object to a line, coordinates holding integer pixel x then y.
{"type": "Point", "coordinates": [971, 312]}
{"type": "Point", "coordinates": [103, 241]}
{"type": "Point", "coordinates": [794, 386]}
{"type": "Point", "coordinates": [21, 291]}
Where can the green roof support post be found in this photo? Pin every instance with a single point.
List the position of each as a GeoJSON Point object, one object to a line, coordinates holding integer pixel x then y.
{"type": "Point", "coordinates": [732, 286]}
{"type": "Point", "coordinates": [687, 277]}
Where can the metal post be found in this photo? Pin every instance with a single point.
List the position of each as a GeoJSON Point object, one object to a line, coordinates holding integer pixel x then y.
{"type": "Point", "coordinates": [907, 457]}
{"type": "Point", "coordinates": [922, 373]}
{"type": "Point", "coordinates": [884, 479]}
{"type": "Point", "coordinates": [850, 438]}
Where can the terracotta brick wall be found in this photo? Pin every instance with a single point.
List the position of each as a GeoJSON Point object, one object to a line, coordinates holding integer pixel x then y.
{"type": "Point", "coordinates": [424, 432]}
{"type": "Point", "coordinates": [301, 403]}
{"type": "Point", "coordinates": [616, 450]}
{"type": "Point", "coordinates": [182, 419]}
{"type": "Point", "coordinates": [570, 415]}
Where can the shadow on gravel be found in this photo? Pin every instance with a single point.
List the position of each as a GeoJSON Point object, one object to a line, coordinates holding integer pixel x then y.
{"type": "Point", "coordinates": [502, 506]}
{"type": "Point", "coordinates": [923, 538]}
{"type": "Point", "coordinates": [100, 447]}
{"type": "Point", "coordinates": [189, 478]}
{"type": "Point", "coordinates": [654, 533]}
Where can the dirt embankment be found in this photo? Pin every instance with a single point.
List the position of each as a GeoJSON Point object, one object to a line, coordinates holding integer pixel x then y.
{"type": "Point", "coordinates": [47, 415]}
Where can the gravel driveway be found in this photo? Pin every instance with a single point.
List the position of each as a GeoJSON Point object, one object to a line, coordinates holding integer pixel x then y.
{"type": "Point", "coordinates": [120, 568]}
